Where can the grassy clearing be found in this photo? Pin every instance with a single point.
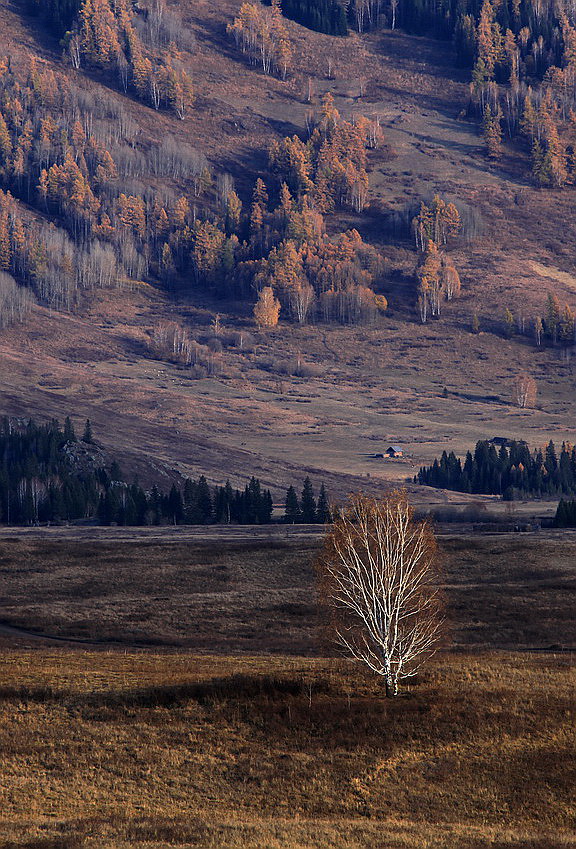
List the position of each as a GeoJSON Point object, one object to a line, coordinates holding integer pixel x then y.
{"type": "Point", "coordinates": [110, 750]}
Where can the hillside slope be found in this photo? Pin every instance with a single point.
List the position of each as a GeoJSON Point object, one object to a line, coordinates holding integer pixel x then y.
{"type": "Point", "coordinates": [319, 398]}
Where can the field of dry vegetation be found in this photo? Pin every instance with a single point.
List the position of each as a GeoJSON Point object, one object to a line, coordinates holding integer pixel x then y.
{"type": "Point", "coordinates": [316, 399]}
{"type": "Point", "coordinates": [168, 687]}
{"type": "Point", "coordinates": [131, 750]}
{"type": "Point", "coordinates": [139, 738]}
{"type": "Point", "coordinates": [253, 590]}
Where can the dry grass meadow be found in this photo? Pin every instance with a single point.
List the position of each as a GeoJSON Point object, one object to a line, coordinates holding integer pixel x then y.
{"type": "Point", "coordinates": [252, 590]}
{"type": "Point", "coordinates": [151, 750]}
{"type": "Point", "coordinates": [201, 712]}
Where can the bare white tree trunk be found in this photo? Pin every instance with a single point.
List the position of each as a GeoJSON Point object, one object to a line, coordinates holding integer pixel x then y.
{"type": "Point", "coordinates": [394, 7]}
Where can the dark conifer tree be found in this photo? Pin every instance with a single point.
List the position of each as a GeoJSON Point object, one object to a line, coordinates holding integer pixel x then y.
{"type": "Point", "coordinates": [204, 501]}
{"type": "Point", "coordinates": [308, 503]}
{"type": "Point", "coordinates": [266, 508]}
{"type": "Point", "coordinates": [190, 502]}
{"type": "Point", "coordinates": [155, 506]}
{"type": "Point", "coordinates": [87, 435]}
{"type": "Point", "coordinates": [323, 507]}
{"type": "Point", "coordinates": [223, 501]}
{"type": "Point", "coordinates": [140, 503]}
{"type": "Point", "coordinates": [115, 471]}
{"type": "Point", "coordinates": [106, 508]}
{"type": "Point", "coordinates": [292, 507]}
{"type": "Point", "coordinates": [57, 14]}
{"type": "Point", "coordinates": [174, 506]}
{"type": "Point", "coordinates": [69, 435]}
{"type": "Point", "coordinates": [565, 514]}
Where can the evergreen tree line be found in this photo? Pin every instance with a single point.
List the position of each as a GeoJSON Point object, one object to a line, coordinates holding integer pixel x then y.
{"type": "Point", "coordinates": [38, 478]}
{"type": "Point", "coordinates": [58, 15]}
{"type": "Point", "coordinates": [334, 17]}
{"type": "Point", "coordinates": [48, 475]}
{"type": "Point", "coordinates": [565, 514]}
{"type": "Point", "coordinates": [458, 20]}
{"type": "Point", "coordinates": [307, 509]}
{"type": "Point", "coordinates": [511, 471]}
{"type": "Point", "coordinates": [195, 504]}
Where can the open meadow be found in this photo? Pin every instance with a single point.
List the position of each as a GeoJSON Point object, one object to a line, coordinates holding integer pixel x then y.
{"type": "Point", "coordinates": [113, 750]}
{"type": "Point", "coordinates": [232, 590]}
{"type": "Point", "coordinates": [203, 712]}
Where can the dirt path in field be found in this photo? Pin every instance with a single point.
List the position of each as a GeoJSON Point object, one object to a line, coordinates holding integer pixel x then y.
{"type": "Point", "coordinates": [12, 632]}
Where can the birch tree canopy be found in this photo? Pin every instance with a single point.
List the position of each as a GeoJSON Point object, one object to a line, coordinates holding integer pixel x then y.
{"type": "Point", "coordinates": [381, 583]}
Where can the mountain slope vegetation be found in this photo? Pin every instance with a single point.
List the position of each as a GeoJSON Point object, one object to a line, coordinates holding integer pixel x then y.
{"type": "Point", "coordinates": [162, 165]}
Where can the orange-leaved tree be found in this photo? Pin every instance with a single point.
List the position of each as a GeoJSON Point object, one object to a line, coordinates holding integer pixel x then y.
{"type": "Point", "coordinates": [267, 308]}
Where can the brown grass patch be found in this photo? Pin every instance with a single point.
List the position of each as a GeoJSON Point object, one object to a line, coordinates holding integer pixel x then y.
{"type": "Point", "coordinates": [111, 750]}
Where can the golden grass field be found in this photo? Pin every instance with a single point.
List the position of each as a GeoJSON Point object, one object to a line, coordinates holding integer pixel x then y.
{"type": "Point", "coordinates": [155, 750]}
{"type": "Point", "coordinates": [228, 727]}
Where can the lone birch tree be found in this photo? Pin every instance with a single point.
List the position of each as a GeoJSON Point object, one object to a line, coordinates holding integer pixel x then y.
{"type": "Point", "coordinates": [524, 391]}
{"type": "Point", "coordinates": [380, 580]}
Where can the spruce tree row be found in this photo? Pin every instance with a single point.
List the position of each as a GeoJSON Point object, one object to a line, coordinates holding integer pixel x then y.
{"type": "Point", "coordinates": [48, 475]}
{"type": "Point", "coordinates": [513, 471]}
{"type": "Point", "coordinates": [327, 16]}
{"type": "Point", "coordinates": [58, 15]}
{"type": "Point", "coordinates": [306, 509]}
{"type": "Point", "coordinates": [195, 504]}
